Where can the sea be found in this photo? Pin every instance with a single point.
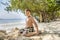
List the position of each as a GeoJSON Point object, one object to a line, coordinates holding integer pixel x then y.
{"type": "Point", "coordinates": [2, 21]}
{"type": "Point", "coordinates": [9, 24]}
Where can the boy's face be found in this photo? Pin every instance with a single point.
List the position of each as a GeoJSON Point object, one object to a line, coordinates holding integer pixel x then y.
{"type": "Point", "coordinates": [27, 13]}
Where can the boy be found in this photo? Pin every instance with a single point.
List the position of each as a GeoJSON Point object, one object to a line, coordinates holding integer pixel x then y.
{"type": "Point", "coordinates": [29, 24]}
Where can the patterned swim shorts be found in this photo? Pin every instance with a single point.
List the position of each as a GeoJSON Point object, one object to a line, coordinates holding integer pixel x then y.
{"type": "Point", "coordinates": [27, 30]}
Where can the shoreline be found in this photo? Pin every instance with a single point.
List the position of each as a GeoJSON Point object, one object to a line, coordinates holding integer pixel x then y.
{"type": "Point", "coordinates": [46, 28]}
{"type": "Point", "coordinates": [42, 26]}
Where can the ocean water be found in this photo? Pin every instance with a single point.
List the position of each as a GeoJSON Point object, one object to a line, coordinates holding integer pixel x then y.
{"type": "Point", "coordinates": [8, 24]}
{"type": "Point", "coordinates": [2, 21]}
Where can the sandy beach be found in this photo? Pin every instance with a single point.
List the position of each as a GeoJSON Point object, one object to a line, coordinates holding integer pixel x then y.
{"type": "Point", "coordinates": [49, 27]}
{"type": "Point", "coordinates": [50, 31]}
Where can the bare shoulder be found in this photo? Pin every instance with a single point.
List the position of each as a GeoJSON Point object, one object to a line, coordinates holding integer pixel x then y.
{"type": "Point", "coordinates": [32, 19]}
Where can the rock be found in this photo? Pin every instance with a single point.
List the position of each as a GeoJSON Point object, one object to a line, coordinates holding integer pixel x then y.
{"type": "Point", "coordinates": [1, 38]}
{"type": "Point", "coordinates": [3, 31]}
{"type": "Point", "coordinates": [2, 34]}
{"type": "Point", "coordinates": [13, 34]}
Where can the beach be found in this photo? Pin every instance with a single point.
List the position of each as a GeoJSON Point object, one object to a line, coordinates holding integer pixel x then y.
{"type": "Point", "coordinates": [50, 31]}
{"type": "Point", "coordinates": [51, 26]}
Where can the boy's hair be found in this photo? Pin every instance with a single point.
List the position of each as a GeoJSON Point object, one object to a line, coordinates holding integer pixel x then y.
{"type": "Point", "coordinates": [28, 10]}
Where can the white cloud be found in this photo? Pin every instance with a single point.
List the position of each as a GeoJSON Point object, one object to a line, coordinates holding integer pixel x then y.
{"type": "Point", "coordinates": [11, 15]}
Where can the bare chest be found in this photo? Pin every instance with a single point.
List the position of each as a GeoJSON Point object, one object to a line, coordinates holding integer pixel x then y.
{"type": "Point", "coordinates": [28, 21]}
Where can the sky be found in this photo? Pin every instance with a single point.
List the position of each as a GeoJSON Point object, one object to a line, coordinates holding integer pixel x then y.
{"type": "Point", "coordinates": [11, 15]}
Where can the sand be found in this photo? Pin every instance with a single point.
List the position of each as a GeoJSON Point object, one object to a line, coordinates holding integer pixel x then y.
{"type": "Point", "coordinates": [50, 31]}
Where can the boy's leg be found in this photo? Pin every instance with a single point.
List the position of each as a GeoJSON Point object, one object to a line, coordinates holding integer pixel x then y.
{"type": "Point", "coordinates": [30, 34]}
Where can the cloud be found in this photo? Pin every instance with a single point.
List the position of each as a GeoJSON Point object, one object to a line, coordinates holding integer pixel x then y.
{"type": "Point", "coordinates": [11, 15]}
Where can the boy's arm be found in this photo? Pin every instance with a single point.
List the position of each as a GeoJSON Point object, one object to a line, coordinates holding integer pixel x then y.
{"type": "Point", "coordinates": [36, 26]}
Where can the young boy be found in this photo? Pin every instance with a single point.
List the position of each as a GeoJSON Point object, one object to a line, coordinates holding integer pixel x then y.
{"type": "Point", "coordinates": [29, 24]}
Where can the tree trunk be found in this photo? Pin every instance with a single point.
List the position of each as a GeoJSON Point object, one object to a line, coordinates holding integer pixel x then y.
{"type": "Point", "coordinates": [41, 17]}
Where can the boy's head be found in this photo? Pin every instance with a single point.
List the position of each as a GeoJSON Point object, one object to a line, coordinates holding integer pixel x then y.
{"type": "Point", "coordinates": [27, 12]}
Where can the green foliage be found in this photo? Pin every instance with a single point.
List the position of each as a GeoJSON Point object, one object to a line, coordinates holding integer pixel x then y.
{"type": "Point", "coordinates": [48, 8]}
